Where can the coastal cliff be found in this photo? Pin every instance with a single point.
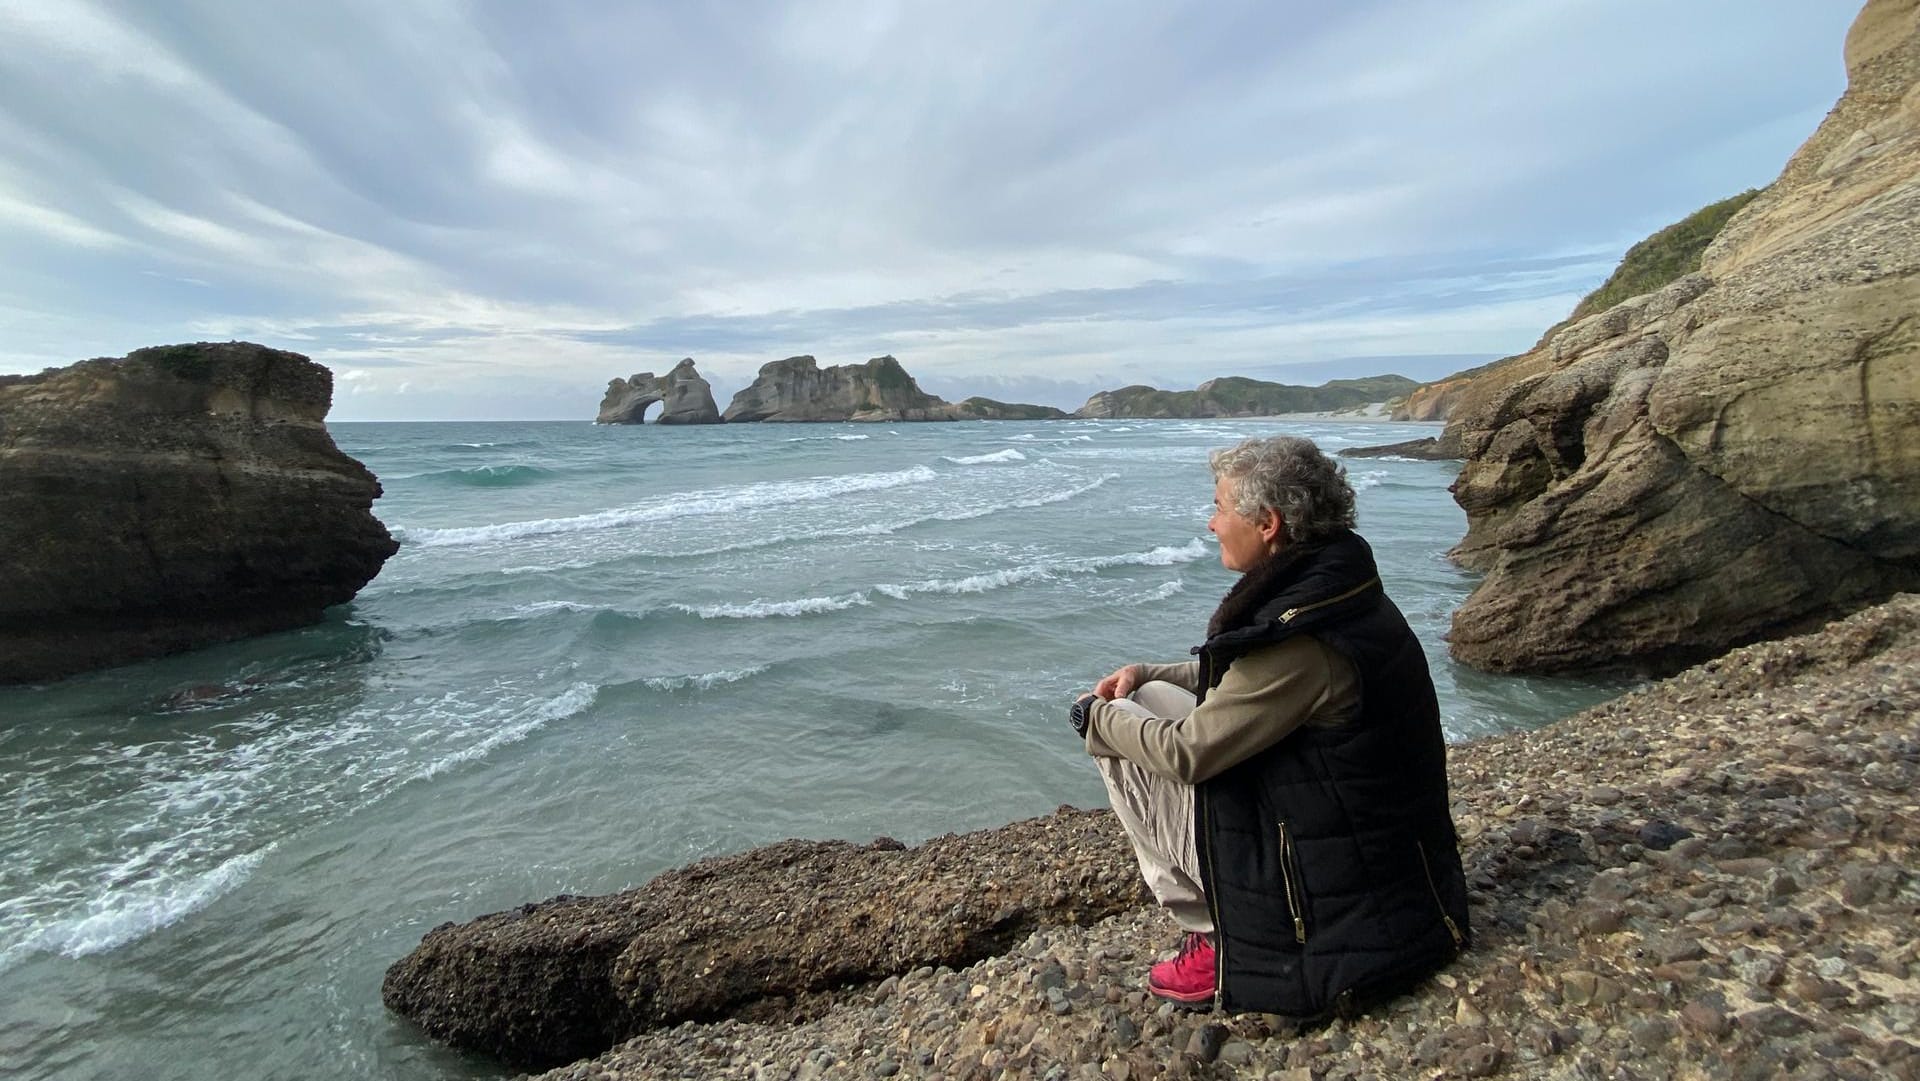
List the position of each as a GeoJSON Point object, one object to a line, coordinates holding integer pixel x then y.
{"type": "Point", "coordinates": [686, 398]}
{"type": "Point", "coordinates": [1707, 878]}
{"type": "Point", "coordinates": [1731, 455]}
{"type": "Point", "coordinates": [179, 496]}
{"type": "Point", "coordinates": [1237, 396]}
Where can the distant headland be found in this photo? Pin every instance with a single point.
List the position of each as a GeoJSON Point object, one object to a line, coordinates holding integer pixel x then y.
{"type": "Point", "coordinates": [797, 389]}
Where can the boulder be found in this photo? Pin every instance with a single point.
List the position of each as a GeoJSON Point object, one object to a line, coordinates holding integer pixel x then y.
{"type": "Point", "coordinates": [688, 398]}
{"type": "Point", "coordinates": [1738, 453]}
{"type": "Point", "coordinates": [551, 982]}
{"type": "Point", "coordinates": [176, 497]}
{"type": "Point", "coordinates": [798, 389]}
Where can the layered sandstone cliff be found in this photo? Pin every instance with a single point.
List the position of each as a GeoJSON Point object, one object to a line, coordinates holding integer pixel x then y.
{"type": "Point", "coordinates": [179, 496]}
{"type": "Point", "coordinates": [684, 397]}
{"type": "Point", "coordinates": [1738, 452]}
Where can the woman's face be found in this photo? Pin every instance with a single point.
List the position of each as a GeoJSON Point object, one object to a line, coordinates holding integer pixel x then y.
{"type": "Point", "coordinates": [1244, 542]}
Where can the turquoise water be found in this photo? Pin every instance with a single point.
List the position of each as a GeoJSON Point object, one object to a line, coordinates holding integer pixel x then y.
{"type": "Point", "coordinates": [600, 653]}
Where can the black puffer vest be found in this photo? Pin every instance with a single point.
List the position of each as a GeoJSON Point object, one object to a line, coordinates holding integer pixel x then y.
{"type": "Point", "coordinates": [1330, 859]}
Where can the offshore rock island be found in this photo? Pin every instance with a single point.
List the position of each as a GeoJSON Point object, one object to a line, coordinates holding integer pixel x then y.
{"type": "Point", "coordinates": [798, 390]}
{"type": "Point", "coordinates": [686, 398]}
{"type": "Point", "coordinates": [172, 498]}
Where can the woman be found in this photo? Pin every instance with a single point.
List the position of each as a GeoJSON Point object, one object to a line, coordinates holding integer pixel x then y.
{"type": "Point", "coordinates": [1286, 792]}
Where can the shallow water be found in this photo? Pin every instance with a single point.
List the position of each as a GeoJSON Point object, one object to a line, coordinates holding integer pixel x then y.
{"type": "Point", "coordinates": [600, 653]}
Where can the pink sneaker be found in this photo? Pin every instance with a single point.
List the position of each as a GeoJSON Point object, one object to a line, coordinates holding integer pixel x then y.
{"type": "Point", "coordinates": [1187, 978]}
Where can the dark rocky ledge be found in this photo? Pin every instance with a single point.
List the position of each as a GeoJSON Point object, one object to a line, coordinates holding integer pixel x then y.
{"type": "Point", "coordinates": [1712, 877]}
{"type": "Point", "coordinates": [551, 982]}
{"type": "Point", "coordinates": [1427, 449]}
{"type": "Point", "coordinates": [175, 497]}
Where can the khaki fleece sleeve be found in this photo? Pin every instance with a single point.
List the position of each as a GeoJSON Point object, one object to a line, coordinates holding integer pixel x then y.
{"type": "Point", "coordinates": [1263, 696]}
{"type": "Point", "coordinates": [1182, 674]}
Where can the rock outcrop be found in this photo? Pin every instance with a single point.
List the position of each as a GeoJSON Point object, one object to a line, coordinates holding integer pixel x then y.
{"type": "Point", "coordinates": [978, 408]}
{"type": "Point", "coordinates": [1237, 396]}
{"type": "Point", "coordinates": [548, 983]}
{"type": "Point", "coordinates": [1738, 452]}
{"type": "Point", "coordinates": [1427, 449]}
{"type": "Point", "coordinates": [686, 398]}
{"type": "Point", "coordinates": [176, 497]}
{"type": "Point", "coordinates": [798, 389]}
{"type": "Point", "coordinates": [1430, 401]}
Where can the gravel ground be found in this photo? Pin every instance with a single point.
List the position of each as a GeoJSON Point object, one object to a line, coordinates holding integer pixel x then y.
{"type": "Point", "coordinates": [1708, 878]}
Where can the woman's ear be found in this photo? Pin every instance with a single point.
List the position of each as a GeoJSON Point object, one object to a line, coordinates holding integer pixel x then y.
{"type": "Point", "coordinates": [1273, 528]}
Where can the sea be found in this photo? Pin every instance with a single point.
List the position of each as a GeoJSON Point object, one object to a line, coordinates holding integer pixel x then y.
{"type": "Point", "coordinates": [603, 652]}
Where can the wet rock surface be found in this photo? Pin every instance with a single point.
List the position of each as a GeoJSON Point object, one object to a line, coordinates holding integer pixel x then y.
{"type": "Point", "coordinates": [1712, 877]}
{"type": "Point", "coordinates": [172, 498]}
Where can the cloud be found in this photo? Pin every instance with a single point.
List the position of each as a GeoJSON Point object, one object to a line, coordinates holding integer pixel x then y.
{"type": "Point", "coordinates": [533, 199]}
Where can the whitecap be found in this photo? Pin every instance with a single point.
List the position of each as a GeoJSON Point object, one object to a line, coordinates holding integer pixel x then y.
{"type": "Point", "coordinates": [977, 583]}
{"type": "Point", "coordinates": [704, 680]}
{"type": "Point", "coordinates": [517, 726]}
{"type": "Point", "coordinates": [1007, 455]}
{"type": "Point", "coordinates": [542, 607]}
{"type": "Point", "coordinates": [1369, 479]}
{"type": "Point", "coordinates": [122, 915]}
{"type": "Point", "coordinates": [1164, 591]}
{"type": "Point", "coordinates": [852, 438]}
{"type": "Point", "coordinates": [1163, 556]}
{"type": "Point", "coordinates": [759, 609]}
{"type": "Point", "coordinates": [710, 501]}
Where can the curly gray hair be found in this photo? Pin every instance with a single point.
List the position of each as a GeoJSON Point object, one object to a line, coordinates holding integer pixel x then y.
{"type": "Point", "coordinates": [1291, 477]}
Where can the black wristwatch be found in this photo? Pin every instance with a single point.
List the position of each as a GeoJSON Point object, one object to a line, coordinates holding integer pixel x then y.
{"type": "Point", "coordinates": [1078, 715]}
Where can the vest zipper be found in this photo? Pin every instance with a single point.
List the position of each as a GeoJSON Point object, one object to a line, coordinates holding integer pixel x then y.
{"type": "Point", "coordinates": [1452, 927]}
{"type": "Point", "coordinates": [1295, 904]}
{"type": "Point", "coordinates": [1288, 615]}
{"type": "Point", "coordinates": [1213, 906]}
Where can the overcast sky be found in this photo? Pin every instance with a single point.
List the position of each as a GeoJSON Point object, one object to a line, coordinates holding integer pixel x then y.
{"type": "Point", "coordinates": [487, 210]}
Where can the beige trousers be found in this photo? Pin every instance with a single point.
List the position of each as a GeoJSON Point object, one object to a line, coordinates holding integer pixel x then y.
{"type": "Point", "coordinates": [1158, 814]}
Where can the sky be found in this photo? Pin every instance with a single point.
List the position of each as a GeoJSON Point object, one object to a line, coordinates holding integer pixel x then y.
{"type": "Point", "coordinates": [487, 210]}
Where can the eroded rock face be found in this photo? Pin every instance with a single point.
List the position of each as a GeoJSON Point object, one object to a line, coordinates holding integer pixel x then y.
{"type": "Point", "coordinates": [686, 398]}
{"type": "Point", "coordinates": [176, 497]}
{"type": "Point", "coordinates": [1738, 452]}
{"type": "Point", "coordinates": [798, 389]}
{"type": "Point", "coordinates": [551, 982]}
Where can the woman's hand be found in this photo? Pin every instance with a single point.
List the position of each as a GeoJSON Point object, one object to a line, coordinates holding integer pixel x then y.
{"type": "Point", "coordinates": [1120, 684]}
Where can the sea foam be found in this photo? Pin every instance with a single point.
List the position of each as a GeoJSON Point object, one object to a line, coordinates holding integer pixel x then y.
{"type": "Point", "coordinates": [121, 915]}
{"type": "Point", "coordinates": [805, 606]}
{"type": "Point", "coordinates": [1008, 455]}
{"type": "Point", "coordinates": [677, 505]}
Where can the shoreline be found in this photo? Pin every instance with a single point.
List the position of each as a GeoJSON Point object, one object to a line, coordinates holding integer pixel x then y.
{"type": "Point", "coordinates": [1706, 877]}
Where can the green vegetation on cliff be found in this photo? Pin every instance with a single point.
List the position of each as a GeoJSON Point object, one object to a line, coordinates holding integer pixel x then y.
{"type": "Point", "coordinates": [988, 409]}
{"type": "Point", "coordinates": [1667, 255]}
{"type": "Point", "coordinates": [1238, 396]}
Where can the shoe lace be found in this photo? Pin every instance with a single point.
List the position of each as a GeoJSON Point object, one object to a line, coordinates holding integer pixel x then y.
{"type": "Point", "coordinates": [1192, 944]}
